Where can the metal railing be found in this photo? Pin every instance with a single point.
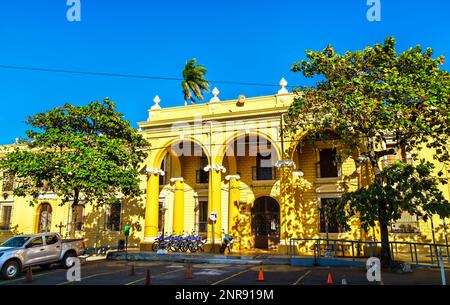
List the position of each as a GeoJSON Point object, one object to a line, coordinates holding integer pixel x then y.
{"type": "Point", "coordinates": [410, 252]}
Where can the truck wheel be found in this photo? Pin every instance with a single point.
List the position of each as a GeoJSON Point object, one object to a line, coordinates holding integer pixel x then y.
{"type": "Point", "coordinates": [66, 261]}
{"type": "Point", "coordinates": [10, 270]}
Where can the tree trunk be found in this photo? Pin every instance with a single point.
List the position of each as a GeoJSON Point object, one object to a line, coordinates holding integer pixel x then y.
{"type": "Point", "coordinates": [76, 200]}
{"type": "Point", "coordinates": [383, 219]}
{"type": "Point", "coordinates": [385, 248]}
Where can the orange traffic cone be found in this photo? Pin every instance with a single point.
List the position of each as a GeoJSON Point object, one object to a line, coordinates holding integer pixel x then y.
{"type": "Point", "coordinates": [189, 272]}
{"type": "Point", "coordinates": [29, 277]}
{"type": "Point", "coordinates": [260, 274]}
{"type": "Point", "coordinates": [132, 272]}
{"type": "Point", "coordinates": [330, 279]}
{"type": "Point", "coordinates": [148, 278]}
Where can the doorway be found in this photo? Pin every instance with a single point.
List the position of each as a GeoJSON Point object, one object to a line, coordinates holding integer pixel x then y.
{"type": "Point", "coordinates": [266, 223]}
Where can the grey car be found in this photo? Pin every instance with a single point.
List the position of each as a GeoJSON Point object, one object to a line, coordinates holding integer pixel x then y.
{"type": "Point", "coordinates": [45, 249]}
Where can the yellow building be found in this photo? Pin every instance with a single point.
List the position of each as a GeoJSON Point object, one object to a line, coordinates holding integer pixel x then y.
{"type": "Point", "coordinates": [228, 157]}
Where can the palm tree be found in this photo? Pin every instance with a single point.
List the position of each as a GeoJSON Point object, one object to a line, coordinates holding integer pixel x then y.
{"type": "Point", "coordinates": [194, 80]}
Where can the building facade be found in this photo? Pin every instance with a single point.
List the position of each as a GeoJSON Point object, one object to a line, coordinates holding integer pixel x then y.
{"type": "Point", "coordinates": [229, 158]}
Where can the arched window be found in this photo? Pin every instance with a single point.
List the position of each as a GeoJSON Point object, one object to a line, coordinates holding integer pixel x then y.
{"type": "Point", "coordinates": [45, 218]}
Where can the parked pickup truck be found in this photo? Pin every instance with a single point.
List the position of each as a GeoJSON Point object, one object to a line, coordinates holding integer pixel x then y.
{"type": "Point", "coordinates": [20, 252]}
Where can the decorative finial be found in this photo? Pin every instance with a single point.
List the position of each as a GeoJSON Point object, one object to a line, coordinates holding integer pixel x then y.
{"type": "Point", "coordinates": [283, 83]}
{"type": "Point", "coordinates": [215, 92]}
{"type": "Point", "coordinates": [156, 100]}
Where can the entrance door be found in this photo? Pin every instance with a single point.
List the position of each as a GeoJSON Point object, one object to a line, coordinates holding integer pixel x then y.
{"type": "Point", "coordinates": [266, 223]}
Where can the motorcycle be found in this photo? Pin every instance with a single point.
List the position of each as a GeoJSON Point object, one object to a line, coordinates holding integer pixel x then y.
{"type": "Point", "coordinates": [227, 242]}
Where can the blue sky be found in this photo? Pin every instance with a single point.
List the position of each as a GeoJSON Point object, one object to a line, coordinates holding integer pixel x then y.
{"type": "Point", "coordinates": [247, 41]}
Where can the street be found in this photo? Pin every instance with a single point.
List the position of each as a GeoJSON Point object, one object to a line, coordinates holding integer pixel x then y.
{"type": "Point", "coordinates": [105, 272]}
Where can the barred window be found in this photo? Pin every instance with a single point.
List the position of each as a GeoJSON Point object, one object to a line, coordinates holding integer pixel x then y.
{"type": "Point", "coordinates": [78, 217]}
{"type": "Point", "coordinates": [5, 217]}
{"type": "Point", "coordinates": [328, 221]}
{"type": "Point", "coordinates": [8, 182]}
{"type": "Point", "coordinates": [113, 217]}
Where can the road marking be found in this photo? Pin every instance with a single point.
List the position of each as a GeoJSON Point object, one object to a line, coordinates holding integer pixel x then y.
{"type": "Point", "coordinates": [23, 277]}
{"type": "Point", "coordinates": [140, 280]}
{"type": "Point", "coordinates": [302, 277]}
{"type": "Point", "coordinates": [94, 275]}
{"type": "Point", "coordinates": [54, 271]}
{"type": "Point", "coordinates": [231, 276]}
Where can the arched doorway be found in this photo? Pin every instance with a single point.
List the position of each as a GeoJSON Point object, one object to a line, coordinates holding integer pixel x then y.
{"type": "Point", "coordinates": [45, 218]}
{"type": "Point", "coordinates": [266, 223]}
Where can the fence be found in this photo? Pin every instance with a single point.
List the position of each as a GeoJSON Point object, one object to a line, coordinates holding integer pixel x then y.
{"type": "Point", "coordinates": [408, 252]}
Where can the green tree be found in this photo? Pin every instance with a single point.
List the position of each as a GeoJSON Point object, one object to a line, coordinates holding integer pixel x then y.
{"type": "Point", "coordinates": [81, 153]}
{"type": "Point", "coordinates": [365, 98]}
{"type": "Point", "coordinates": [194, 80]}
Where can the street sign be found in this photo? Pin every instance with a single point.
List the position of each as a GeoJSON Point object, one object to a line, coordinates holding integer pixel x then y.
{"type": "Point", "coordinates": [213, 216]}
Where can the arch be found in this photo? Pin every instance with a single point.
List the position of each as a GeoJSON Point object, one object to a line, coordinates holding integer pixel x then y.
{"type": "Point", "coordinates": [44, 219]}
{"type": "Point", "coordinates": [159, 156]}
{"type": "Point", "coordinates": [223, 150]}
{"type": "Point", "coordinates": [265, 222]}
{"type": "Point", "coordinates": [294, 144]}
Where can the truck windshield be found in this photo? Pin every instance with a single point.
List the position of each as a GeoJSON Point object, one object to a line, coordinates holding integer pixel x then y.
{"type": "Point", "coordinates": [18, 241]}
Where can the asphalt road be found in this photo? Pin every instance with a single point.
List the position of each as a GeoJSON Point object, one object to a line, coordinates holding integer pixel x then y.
{"type": "Point", "coordinates": [118, 273]}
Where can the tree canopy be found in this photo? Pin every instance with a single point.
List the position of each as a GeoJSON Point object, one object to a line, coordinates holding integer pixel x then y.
{"type": "Point", "coordinates": [87, 153]}
{"type": "Point", "coordinates": [194, 80]}
{"type": "Point", "coordinates": [366, 99]}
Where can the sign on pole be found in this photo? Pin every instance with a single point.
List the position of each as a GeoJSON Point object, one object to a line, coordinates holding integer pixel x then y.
{"type": "Point", "coordinates": [213, 216]}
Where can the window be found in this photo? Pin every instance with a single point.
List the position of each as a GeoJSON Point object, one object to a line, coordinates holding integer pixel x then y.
{"type": "Point", "coordinates": [8, 183]}
{"type": "Point", "coordinates": [36, 242]}
{"type": "Point", "coordinates": [45, 218]}
{"type": "Point", "coordinates": [401, 155]}
{"type": "Point", "coordinates": [5, 217]}
{"type": "Point", "coordinates": [202, 217]}
{"type": "Point", "coordinates": [202, 176]}
{"type": "Point", "coordinates": [113, 217]}
{"type": "Point", "coordinates": [406, 224]}
{"type": "Point", "coordinates": [328, 217]}
{"type": "Point", "coordinates": [77, 217]}
{"type": "Point", "coordinates": [327, 166]}
{"type": "Point", "coordinates": [263, 169]}
{"type": "Point", "coordinates": [51, 239]}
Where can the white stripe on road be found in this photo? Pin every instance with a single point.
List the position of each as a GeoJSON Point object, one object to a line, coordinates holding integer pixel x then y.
{"type": "Point", "coordinates": [301, 278]}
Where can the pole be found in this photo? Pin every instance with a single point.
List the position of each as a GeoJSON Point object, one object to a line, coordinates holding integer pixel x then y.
{"type": "Point", "coordinates": [441, 263]}
{"type": "Point", "coordinates": [96, 239]}
{"type": "Point", "coordinates": [213, 237]}
{"type": "Point", "coordinates": [126, 248]}
{"type": "Point", "coordinates": [446, 239]}
{"type": "Point", "coordinates": [434, 237]}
